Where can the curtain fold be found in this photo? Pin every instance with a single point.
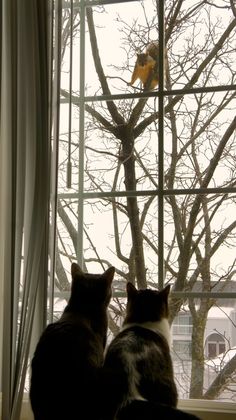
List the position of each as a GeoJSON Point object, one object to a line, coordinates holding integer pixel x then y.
{"type": "Point", "coordinates": [24, 185]}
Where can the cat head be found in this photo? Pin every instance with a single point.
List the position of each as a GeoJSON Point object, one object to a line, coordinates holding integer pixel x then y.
{"type": "Point", "coordinates": [146, 305]}
{"type": "Point", "coordinates": [90, 290]}
{"type": "Point", "coordinates": [142, 59]}
{"type": "Point", "coordinates": [145, 59]}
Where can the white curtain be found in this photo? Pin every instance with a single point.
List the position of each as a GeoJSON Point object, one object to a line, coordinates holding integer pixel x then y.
{"type": "Point", "coordinates": [24, 187]}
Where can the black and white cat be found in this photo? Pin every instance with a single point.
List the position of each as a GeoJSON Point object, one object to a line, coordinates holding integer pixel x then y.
{"type": "Point", "coordinates": [70, 352]}
{"type": "Point", "coordinates": [137, 364]}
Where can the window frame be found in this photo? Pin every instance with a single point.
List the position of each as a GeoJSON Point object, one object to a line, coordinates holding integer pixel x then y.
{"type": "Point", "coordinates": [161, 94]}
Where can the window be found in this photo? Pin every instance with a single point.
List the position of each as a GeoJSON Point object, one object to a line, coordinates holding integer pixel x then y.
{"type": "Point", "coordinates": [182, 324]}
{"type": "Point", "coordinates": [146, 177]}
{"type": "Point", "coordinates": [182, 349]}
{"type": "Point", "coordinates": [215, 345]}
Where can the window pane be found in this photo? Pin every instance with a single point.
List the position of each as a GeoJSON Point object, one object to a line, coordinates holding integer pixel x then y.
{"type": "Point", "coordinates": [200, 44]}
{"type": "Point", "coordinates": [221, 348]}
{"type": "Point", "coordinates": [209, 222]}
{"type": "Point", "coordinates": [198, 148]}
{"type": "Point", "coordinates": [212, 352]}
{"type": "Point", "coordinates": [196, 57]}
{"type": "Point", "coordinates": [198, 361]}
{"type": "Point", "coordinates": [109, 225]}
{"type": "Point", "coordinates": [121, 32]}
{"type": "Point", "coordinates": [115, 159]}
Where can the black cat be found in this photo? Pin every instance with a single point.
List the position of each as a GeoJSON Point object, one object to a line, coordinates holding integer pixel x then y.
{"type": "Point", "coordinates": [137, 364]}
{"type": "Point", "coordinates": [70, 352]}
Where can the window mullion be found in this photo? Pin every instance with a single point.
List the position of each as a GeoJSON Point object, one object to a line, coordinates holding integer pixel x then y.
{"type": "Point", "coordinates": [56, 84]}
{"type": "Point", "coordinates": [81, 135]}
{"type": "Point", "coordinates": [160, 148]}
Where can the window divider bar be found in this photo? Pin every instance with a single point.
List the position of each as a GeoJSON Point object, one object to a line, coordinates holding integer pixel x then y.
{"type": "Point", "coordinates": [55, 149]}
{"type": "Point", "coordinates": [69, 165]}
{"type": "Point", "coordinates": [155, 93]}
{"type": "Point", "coordinates": [187, 295]}
{"type": "Point", "coordinates": [209, 295]}
{"type": "Point", "coordinates": [91, 3]}
{"type": "Point", "coordinates": [161, 31]}
{"type": "Point", "coordinates": [81, 137]}
{"type": "Point", "coordinates": [111, 194]}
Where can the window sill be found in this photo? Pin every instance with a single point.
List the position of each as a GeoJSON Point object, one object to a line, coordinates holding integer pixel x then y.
{"type": "Point", "coordinates": [206, 410]}
{"type": "Point", "coordinates": [209, 410]}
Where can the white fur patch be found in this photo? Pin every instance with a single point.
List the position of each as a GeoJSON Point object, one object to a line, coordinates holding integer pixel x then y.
{"type": "Point", "coordinates": [162, 327]}
{"type": "Point", "coordinates": [134, 377]}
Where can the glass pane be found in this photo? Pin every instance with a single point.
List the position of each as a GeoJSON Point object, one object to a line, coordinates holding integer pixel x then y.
{"type": "Point", "coordinates": [68, 151]}
{"type": "Point", "coordinates": [200, 50]}
{"type": "Point", "coordinates": [115, 158]}
{"type": "Point", "coordinates": [121, 32]}
{"type": "Point", "coordinates": [200, 241]}
{"type": "Point", "coordinates": [205, 369]}
{"type": "Point", "coordinates": [113, 235]}
{"type": "Point", "coordinates": [70, 49]}
{"type": "Point", "coordinates": [200, 141]}
{"type": "Point", "coordinates": [194, 57]}
{"type": "Point", "coordinates": [212, 352]}
{"type": "Point", "coordinates": [118, 158]}
{"type": "Point", "coordinates": [200, 39]}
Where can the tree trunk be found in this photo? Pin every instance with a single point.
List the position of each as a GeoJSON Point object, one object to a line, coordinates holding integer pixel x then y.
{"type": "Point", "coordinates": [197, 373]}
{"type": "Point", "coordinates": [132, 206]}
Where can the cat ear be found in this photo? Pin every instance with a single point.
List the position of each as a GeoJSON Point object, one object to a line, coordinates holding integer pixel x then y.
{"type": "Point", "coordinates": [131, 290]}
{"type": "Point", "coordinates": [75, 269]}
{"type": "Point", "coordinates": [109, 274]}
{"type": "Point", "coordinates": [165, 292]}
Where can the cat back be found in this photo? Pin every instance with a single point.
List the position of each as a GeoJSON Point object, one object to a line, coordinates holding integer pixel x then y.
{"type": "Point", "coordinates": [69, 354]}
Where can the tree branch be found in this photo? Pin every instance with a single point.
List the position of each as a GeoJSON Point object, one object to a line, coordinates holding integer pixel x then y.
{"type": "Point", "coordinates": [221, 381]}
{"type": "Point", "coordinates": [68, 224]}
{"type": "Point", "coordinates": [95, 114]}
{"type": "Point", "coordinates": [116, 116]}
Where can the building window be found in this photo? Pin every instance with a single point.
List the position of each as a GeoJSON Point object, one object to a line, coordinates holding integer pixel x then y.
{"type": "Point", "coordinates": [182, 350]}
{"type": "Point", "coordinates": [182, 325]}
{"type": "Point", "coordinates": [215, 345]}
